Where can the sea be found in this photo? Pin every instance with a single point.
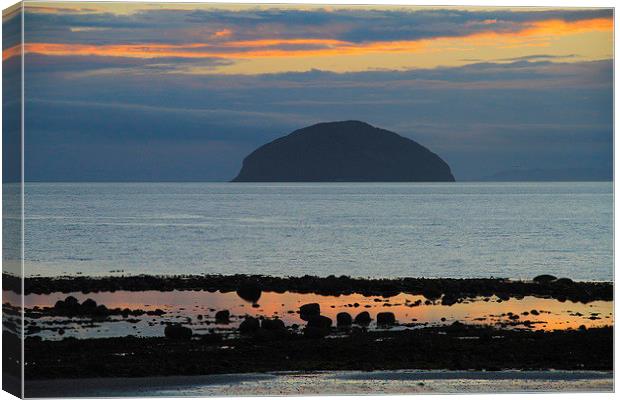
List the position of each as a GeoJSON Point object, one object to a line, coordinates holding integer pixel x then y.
{"type": "Point", "coordinates": [458, 230]}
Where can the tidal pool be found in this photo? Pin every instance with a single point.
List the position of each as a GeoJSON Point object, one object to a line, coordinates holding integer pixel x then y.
{"type": "Point", "coordinates": [197, 309]}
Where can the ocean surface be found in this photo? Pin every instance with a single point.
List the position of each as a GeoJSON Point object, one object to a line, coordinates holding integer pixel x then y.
{"type": "Point", "coordinates": [514, 230]}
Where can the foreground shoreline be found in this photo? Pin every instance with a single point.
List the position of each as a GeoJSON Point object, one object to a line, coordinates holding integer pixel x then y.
{"type": "Point", "coordinates": [328, 382]}
{"type": "Point", "coordinates": [266, 348]}
{"type": "Point", "coordinates": [432, 288]}
{"type": "Point", "coordinates": [454, 347]}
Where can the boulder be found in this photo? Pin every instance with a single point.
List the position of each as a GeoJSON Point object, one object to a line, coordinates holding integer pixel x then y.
{"type": "Point", "coordinates": [448, 300]}
{"type": "Point", "coordinates": [312, 332]}
{"type": "Point", "coordinates": [60, 305]}
{"type": "Point", "coordinates": [386, 318]}
{"type": "Point", "coordinates": [71, 301]}
{"type": "Point", "coordinates": [431, 293]}
{"type": "Point", "coordinates": [309, 310]}
{"type": "Point", "coordinates": [89, 304]}
{"type": "Point", "coordinates": [211, 338]}
{"type": "Point", "coordinates": [362, 318]}
{"type": "Point", "coordinates": [564, 281]}
{"type": "Point", "coordinates": [101, 310]}
{"type": "Point", "coordinates": [222, 317]}
{"type": "Point", "coordinates": [544, 278]}
{"type": "Point", "coordinates": [320, 321]}
{"type": "Point", "coordinates": [249, 291]}
{"type": "Point", "coordinates": [273, 324]}
{"type": "Point", "coordinates": [344, 319]}
{"type": "Point", "coordinates": [249, 325]}
{"type": "Point", "coordinates": [177, 332]}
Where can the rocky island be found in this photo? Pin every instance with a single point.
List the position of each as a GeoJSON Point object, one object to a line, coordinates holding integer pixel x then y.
{"type": "Point", "coordinates": [346, 151]}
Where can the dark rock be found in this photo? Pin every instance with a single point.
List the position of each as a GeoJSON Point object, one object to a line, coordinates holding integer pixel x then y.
{"type": "Point", "coordinates": [544, 278]}
{"type": "Point", "coordinates": [211, 338]}
{"type": "Point", "coordinates": [249, 325]}
{"type": "Point", "coordinates": [431, 293]}
{"type": "Point", "coordinates": [344, 319]}
{"type": "Point", "coordinates": [177, 332]}
{"type": "Point", "coordinates": [448, 300]}
{"type": "Point", "coordinates": [309, 310]}
{"type": "Point", "coordinates": [386, 318]}
{"type": "Point", "coordinates": [222, 317]}
{"type": "Point", "coordinates": [312, 332]}
{"type": "Point", "coordinates": [564, 281]}
{"type": "Point", "coordinates": [249, 292]}
{"type": "Point", "coordinates": [503, 296]}
{"type": "Point", "coordinates": [101, 310]}
{"type": "Point", "coordinates": [362, 318]}
{"type": "Point", "coordinates": [350, 151]}
{"type": "Point", "coordinates": [89, 304]}
{"type": "Point", "coordinates": [320, 321]}
{"type": "Point", "coordinates": [71, 302]}
{"type": "Point", "coordinates": [273, 324]}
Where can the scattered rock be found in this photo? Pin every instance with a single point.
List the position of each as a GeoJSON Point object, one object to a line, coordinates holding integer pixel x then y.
{"type": "Point", "coordinates": [320, 321]}
{"type": "Point", "coordinates": [178, 332]}
{"type": "Point", "coordinates": [250, 292]}
{"type": "Point", "coordinates": [211, 338]}
{"type": "Point", "coordinates": [273, 324]}
{"type": "Point", "coordinates": [344, 319]}
{"type": "Point", "coordinates": [564, 281]}
{"type": "Point", "coordinates": [448, 300]}
{"type": "Point", "coordinates": [544, 278]}
{"type": "Point", "coordinates": [312, 332]}
{"type": "Point", "coordinates": [362, 318]}
{"type": "Point", "coordinates": [249, 325]}
{"type": "Point", "coordinates": [309, 310]}
{"type": "Point", "coordinates": [222, 317]}
{"type": "Point", "coordinates": [71, 302]}
{"type": "Point", "coordinates": [89, 304]}
{"type": "Point", "coordinates": [386, 318]}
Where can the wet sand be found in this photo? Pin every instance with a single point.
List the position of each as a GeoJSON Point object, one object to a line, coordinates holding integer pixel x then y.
{"type": "Point", "coordinates": [351, 382]}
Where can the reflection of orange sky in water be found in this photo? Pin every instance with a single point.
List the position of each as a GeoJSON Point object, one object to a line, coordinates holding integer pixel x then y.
{"type": "Point", "coordinates": [554, 314]}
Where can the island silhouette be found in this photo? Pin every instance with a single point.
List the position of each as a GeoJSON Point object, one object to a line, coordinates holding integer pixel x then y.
{"type": "Point", "coordinates": [343, 151]}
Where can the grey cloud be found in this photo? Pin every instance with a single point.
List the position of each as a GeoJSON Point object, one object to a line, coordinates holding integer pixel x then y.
{"type": "Point", "coordinates": [345, 24]}
{"type": "Point", "coordinates": [481, 118]}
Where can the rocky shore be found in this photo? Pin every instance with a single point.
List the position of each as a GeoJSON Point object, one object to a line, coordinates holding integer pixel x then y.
{"type": "Point", "coordinates": [454, 347]}
{"type": "Point", "coordinates": [450, 290]}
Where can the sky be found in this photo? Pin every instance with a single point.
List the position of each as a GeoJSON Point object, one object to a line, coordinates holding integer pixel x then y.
{"type": "Point", "coordinates": [183, 92]}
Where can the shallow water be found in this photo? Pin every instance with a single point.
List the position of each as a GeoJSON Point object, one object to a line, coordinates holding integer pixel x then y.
{"type": "Point", "coordinates": [197, 309]}
{"type": "Point", "coordinates": [513, 230]}
{"type": "Point", "coordinates": [325, 383]}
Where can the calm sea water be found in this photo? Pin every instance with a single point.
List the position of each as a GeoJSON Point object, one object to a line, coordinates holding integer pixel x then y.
{"type": "Point", "coordinates": [515, 230]}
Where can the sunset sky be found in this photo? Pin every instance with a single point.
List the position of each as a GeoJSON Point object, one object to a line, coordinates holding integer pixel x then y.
{"type": "Point", "coordinates": [130, 91]}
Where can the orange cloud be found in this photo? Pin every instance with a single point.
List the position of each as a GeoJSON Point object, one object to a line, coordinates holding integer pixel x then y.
{"type": "Point", "coordinates": [223, 33]}
{"type": "Point", "coordinates": [12, 52]}
{"type": "Point", "coordinates": [532, 34]}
